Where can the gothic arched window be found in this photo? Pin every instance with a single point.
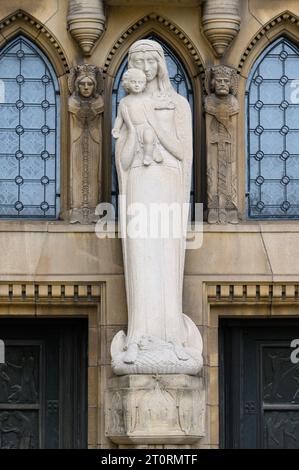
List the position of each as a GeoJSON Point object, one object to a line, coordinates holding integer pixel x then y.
{"type": "Point", "coordinates": [182, 85]}
{"type": "Point", "coordinates": [29, 133]}
{"type": "Point", "coordinates": [273, 133]}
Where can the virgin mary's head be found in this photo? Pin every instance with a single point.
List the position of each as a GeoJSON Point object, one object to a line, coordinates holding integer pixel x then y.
{"type": "Point", "coordinates": [148, 56]}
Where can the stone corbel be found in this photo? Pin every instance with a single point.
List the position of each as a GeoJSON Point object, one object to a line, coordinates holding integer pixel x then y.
{"type": "Point", "coordinates": [221, 23]}
{"type": "Point", "coordinates": [86, 22]}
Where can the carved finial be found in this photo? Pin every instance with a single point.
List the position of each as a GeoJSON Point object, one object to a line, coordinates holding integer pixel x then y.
{"type": "Point", "coordinates": [86, 22]}
{"type": "Point", "coordinates": [86, 70]}
{"type": "Point", "coordinates": [221, 23]}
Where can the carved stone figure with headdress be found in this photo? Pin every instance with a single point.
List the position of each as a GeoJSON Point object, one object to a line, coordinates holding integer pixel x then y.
{"type": "Point", "coordinates": [86, 107]}
{"type": "Point", "coordinates": [154, 171]}
{"type": "Point", "coordinates": [222, 108]}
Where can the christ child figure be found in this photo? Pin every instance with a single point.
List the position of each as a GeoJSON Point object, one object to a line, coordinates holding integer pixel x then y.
{"type": "Point", "coordinates": [134, 104]}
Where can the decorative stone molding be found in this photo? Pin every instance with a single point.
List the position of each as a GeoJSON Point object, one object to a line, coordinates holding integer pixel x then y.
{"type": "Point", "coordinates": [284, 18]}
{"type": "Point", "coordinates": [86, 107]}
{"type": "Point", "coordinates": [179, 3]}
{"type": "Point", "coordinates": [222, 108]}
{"type": "Point", "coordinates": [146, 409]}
{"type": "Point", "coordinates": [22, 16]}
{"type": "Point", "coordinates": [221, 23]}
{"type": "Point", "coordinates": [49, 292]}
{"type": "Point", "coordinates": [254, 293]}
{"type": "Point", "coordinates": [168, 25]}
{"type": "Point", "coordinates": [86, 23]}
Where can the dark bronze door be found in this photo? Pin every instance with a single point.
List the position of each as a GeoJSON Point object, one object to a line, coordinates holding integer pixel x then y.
{"type": "Point", "coordinates": [43, 384]}
{"type": "Point", "coordinates": [259, 384]}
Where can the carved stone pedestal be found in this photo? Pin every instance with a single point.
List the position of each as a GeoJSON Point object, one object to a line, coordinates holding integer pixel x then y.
{"type": "Point", "coordinates": [159, 409]}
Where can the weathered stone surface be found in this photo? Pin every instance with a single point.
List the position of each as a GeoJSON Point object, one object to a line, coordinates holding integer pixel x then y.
{"type": "Point", "coordinates": [167, 409]}
{"type": "Point", "coordinates": [86, 106]}
{"type": "Point", "coordinates": [154, 160]}
{"type": "Point", "coordinates": [222, 108]}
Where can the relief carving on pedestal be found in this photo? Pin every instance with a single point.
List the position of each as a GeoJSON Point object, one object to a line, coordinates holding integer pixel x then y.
{"type": "Point", "coordinates": [222, 108]}
{"type": "Point", "coordinates": [155, 408]}
{"type": "Point", "coordinates": [86, 106]}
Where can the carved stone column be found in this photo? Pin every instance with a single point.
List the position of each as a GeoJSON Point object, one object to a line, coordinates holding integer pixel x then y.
{"type": "Point", "coordinates": [222, 108]}
{"type": "Point", "coordinates": [221, 23]}
{"type": "Point", "coordinates": [86, 108]}
{"type": "Point", "coordinates": [161, 409]}
{"type": "Point", "coordinates": [86, 22]}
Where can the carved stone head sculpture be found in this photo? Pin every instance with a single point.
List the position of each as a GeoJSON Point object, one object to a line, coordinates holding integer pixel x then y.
{"type": "Point", "coordinates": [148, 56]}
{"type": "Point", "coordinates": [222, 81]}
{"type": "Point", "coordinates": [86, 81]}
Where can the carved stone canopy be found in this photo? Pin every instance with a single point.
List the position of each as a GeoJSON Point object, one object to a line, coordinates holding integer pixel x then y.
{"type": "Point", "coordinates": [160, 409]}
{"type": "Point", "coordinates": [221, 23]}
{"type": "Point", "coordinates": [86, 22]}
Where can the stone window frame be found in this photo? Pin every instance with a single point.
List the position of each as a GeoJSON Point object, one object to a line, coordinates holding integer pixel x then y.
{"type": "Point", "coordinates": [282, 25]}
{"type": "Point", "coordinates": [21, 23]}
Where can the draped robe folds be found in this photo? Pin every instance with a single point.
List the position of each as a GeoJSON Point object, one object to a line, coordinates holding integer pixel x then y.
{"type": "Point", "coordinates": [154, 266]}
{"type": "Point", "coordinates": [86, 137]}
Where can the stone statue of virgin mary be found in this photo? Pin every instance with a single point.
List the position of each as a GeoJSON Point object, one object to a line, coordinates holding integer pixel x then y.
{"type": "Point", "coordinates": [154, 119]}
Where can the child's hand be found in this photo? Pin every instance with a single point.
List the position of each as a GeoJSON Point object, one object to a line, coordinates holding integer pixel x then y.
{"type": "Point", "coordinates": [115, 133]}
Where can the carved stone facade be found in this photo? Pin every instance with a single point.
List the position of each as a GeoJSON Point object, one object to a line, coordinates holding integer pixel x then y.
{"type": "Point", "coordinates": [86, 22]}
{"type": "Point", "coordinates": [54, 269]}
{"type": "Point", "coordinates": [221, 23]}
{"type": "Point", "coordinates": [222, 108]}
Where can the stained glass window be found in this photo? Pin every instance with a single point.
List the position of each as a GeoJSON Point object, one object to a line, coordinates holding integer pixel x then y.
{"type": "Point", "coordinates": [273, 133]}
{"type": "Point", "coordinates": [182, 85]}
{"type": "Point", "coordinates": [29, 133]}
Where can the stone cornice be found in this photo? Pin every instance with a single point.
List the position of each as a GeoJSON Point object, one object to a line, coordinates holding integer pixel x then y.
{"type": "Point", "coordinates": [225, 293]}
{"type": "Point", "coordinates": [50, 292]}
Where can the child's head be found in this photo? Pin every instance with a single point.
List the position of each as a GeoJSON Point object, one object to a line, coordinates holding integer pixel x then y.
{"type": "Point", "coordinates": [134, 81]}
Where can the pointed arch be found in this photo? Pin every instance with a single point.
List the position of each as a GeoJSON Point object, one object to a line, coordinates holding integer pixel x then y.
{"type": "Point", "coordinates": [29, 133]}
{"type": "Point", "coordinates": [21, 22]}
{"type": "Point", "coordinates": [273, 132]}
{"type": "Point", "coordinates": [177, 41]}
{"type": "Point", "coordinates": [286, 23]}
